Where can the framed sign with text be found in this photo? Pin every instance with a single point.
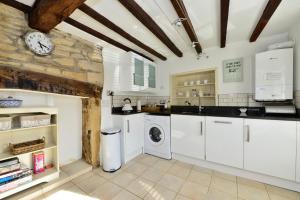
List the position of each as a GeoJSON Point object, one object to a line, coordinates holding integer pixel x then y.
{"type": "Point", "coordinates": [233, 70]}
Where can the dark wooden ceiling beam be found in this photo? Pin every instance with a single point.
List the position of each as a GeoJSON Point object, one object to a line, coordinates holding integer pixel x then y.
{"type": "Point", "coordinates": [101, 36]}
{"type": "Point", "coordinates": [109, 24]}
{"type": "Point", "coordinates": [187, 23]}
{"type": "Point", "coordinates": [145, 19]}
{"type": "Point", "coordinates": [264, 19]}
{"type": "Point", "coordinates": [46, 14]}
{"type": "Point", "coordinates": [15, 4]}
{"type": "Point", "coordinates": [224, 21]}
{"type": "Point", "coordinates": [27, 9]}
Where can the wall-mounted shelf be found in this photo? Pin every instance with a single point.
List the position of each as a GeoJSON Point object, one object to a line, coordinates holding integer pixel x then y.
{"type": "Point", "coordinates": [200, 86]}
{"type": "Point", "coordinates": [17, 135]}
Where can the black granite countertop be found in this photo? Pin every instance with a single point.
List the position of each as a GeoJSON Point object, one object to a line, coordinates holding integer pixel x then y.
{"type": "Point", "coordinates": [219, 111]}
{"type": "Point", "coordinates": [118, 111]}
{"type": "Point", "coordinates": [216, 111]}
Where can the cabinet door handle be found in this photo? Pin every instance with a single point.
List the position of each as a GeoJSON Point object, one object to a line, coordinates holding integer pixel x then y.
{"type": "Point", "coordinates": [247, 133]}
{"type": "Point", "coordinates": [222, 122]}
{"type": "Point", "coordinates": [201, 128]}
{"type": "Point", "coordinates": [128, 126]}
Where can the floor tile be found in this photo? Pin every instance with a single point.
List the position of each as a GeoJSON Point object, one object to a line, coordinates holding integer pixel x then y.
{"type": "Point", "coordinates": [180, 171]}
{"type": "Point", "coordinates": [163, 165]}
{"type": "Point", "coordinates": [194, 191]}
{"type": "Point", "coordinates": [252, 193]}
{"type": "Point", "coordinates": [107, 191]}
{"type": "Point", "coordinates": [66, 191]}
{"type": "Point", "coordinates": [140, 187]}
{"type": "Point", "coordinates": [124, 179]}
{"type": "Point", "coordinates": [107, 175]}
{"type": "Point", "coordinates": [149, 160]}
{"type": "Point", "coordinates": [183, 164]}
{"type": "Point", "coordinates": [202, 169]}
{"type": "Point", "coordinates": [171, 182]}
{"type": "Point", "coordinates": [200, 178]}
{"type": "Point", "coordinates": [125, 195]}
{"type": "Point", "coordinates": [250, 183]}
{"type": "Point", "coordinates": [224, 176]}
{"type": "Point", "coordinates": [284, 193]}
{"type": "Point", "coordinates": [137, 169]}
{"type": "Point", "coordinates": [181, 197]}
{"type": "Point", "coordinates": [153, 174]}
{"type": "Point", "coordinates": [91, 183]}
{"type": "Point", "coordinates": [160, 193]}
{"type": "Point", "coordinates": [224, 185]}
{"type": "Point", "coordinates": [214, 194]}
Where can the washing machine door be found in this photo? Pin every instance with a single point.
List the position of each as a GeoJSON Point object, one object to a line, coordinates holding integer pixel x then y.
{"type": "Point", "coordinates": [156, 135]}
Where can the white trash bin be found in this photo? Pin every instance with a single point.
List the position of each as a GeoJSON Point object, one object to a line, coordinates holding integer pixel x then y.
{"type": "Point", "coordinates": [111, 150]}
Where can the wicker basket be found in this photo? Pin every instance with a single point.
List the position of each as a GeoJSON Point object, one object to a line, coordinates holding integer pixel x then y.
{"type": "Point", "coordinates": [28, 146]}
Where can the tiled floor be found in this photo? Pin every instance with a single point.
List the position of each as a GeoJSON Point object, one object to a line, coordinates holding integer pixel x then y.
{"type": "Point", "coordinates": [149, 177]}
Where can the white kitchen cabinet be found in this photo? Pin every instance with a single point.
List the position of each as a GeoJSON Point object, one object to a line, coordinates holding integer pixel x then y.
{"type": "Point", "coordinates": [298, 153]}
{"type": "Point", "coordinates": [224, 141]}
{"type": "Point", "coordinates": [136, 73]}
{"type": "Point", "coordinates": [132, 135]}
{"type": "Point", "coordinates": [187, 135]}
{"type": "Point", "coordinates": [151, 76]}
{"type": "Point", "coordinates": [270, 147]}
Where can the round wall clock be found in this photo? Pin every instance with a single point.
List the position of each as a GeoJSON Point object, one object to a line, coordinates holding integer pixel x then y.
{"type": "Point", "coordinates": [39, 43]}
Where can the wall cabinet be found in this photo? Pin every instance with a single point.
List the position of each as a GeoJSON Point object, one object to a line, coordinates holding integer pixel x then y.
{"type": "Point", "coordinates": [187, 135]}
{"type": "Point", "coordinates": [132, 135]}
{"type": "Point", "coordinates": [270, 147]}
{"type": "Point", "coordinates": [224, 141]}
{"type": "Point", "coordinates": [298, 153]}
{"type": "Point", "coordinates": [136, 73]}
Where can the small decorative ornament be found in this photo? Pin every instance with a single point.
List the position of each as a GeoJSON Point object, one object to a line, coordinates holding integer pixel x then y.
{"type": "Point", "coordinates": [39, 43]}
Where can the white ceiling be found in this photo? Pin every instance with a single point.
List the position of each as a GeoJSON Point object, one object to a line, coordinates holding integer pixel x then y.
{"type": "Point", "coordinates": [204, 14]}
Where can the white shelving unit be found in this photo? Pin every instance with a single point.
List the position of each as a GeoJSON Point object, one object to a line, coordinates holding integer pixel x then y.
{"type": "Point", "coordinates": [17, 135]}
{"type": "Point", "coordinates": [198, 87]}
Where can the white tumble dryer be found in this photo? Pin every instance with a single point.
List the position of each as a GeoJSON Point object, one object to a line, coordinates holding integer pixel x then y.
{"type": "Point", "coordinates": [158, 136]}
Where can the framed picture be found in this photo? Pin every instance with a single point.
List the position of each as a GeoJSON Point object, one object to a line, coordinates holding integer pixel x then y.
{"type": "Point", "coordinates": [233, 70]}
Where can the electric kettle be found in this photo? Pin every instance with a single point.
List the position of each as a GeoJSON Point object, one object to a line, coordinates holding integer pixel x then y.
{"type": "Point", "coordinates": [127, 105]}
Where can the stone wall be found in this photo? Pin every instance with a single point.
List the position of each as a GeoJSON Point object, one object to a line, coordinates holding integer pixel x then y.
{"type": "Point", "coordinates": [72, 57]}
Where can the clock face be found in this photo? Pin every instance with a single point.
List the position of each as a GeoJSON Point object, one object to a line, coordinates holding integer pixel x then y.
{"type": "Point", "coordinates": [39, 43]}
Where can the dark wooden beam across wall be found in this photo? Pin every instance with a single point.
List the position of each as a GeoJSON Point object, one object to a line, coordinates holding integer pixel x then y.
{"type": "Point", "coordinates": [187, 23]}
{"type": "Point", "coordinates": [46, 14]}
{"type": "Point", "coordinates": [145, 19]}
{"type": "Point", "coordinates": [101, 36]}
{"type": "Point", "coordinates": [264, 19]}
{"type": "Point", "coordinates": [224, 21]}
{"type": "Point", "coordinates": [109, 24]}
{"type": "Point", "coordinates": [14, 78]}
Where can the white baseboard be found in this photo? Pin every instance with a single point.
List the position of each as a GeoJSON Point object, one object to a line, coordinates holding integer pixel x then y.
{"type": "Point", "coordinates": [291, 185]}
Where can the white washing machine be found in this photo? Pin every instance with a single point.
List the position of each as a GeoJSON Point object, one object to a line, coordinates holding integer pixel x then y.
{"type": "Point", "coordinates": [158, 136]}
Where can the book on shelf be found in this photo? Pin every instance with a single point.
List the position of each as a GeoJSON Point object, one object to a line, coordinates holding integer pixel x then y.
{"type": "Point", "coordinates": [38, 162]}
{"type": "Point", "coordinates": [10, 168]}
{"type": "Point", "coordinates": [14, 175]}
{"type": "Point", "coordinates": [8, 162]}
{"type": "Point", "coordinates": [16, 182]}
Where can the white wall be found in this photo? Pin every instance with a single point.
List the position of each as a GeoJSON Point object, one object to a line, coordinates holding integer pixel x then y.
{"type": "Point", "coordinates": [294, 34]}
{"type": "Point", "coordinates": [217, 55]}
{"type": "Point", "coordinates": [69, 119]}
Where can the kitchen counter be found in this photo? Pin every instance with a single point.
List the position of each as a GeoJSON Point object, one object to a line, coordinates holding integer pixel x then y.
{"type": "Point", "coordinates": [118, 111]}
{"type": "Point", "coordinates": [216, 111]}
{"type": "Point", "coordinates": [219, 111]}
